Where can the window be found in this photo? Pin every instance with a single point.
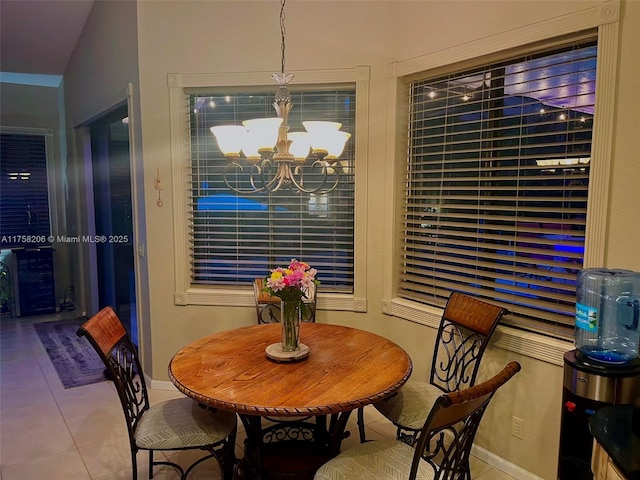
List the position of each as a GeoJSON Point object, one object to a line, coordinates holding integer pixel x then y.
{"type": "Point", "coordinates": [497, 177]}
{"type": "Point", "coordinates": [24, 200]}
{"type": "Point", "coordinates": [238, 237]}
{"type": "Point", "coordinates": [342, 272]}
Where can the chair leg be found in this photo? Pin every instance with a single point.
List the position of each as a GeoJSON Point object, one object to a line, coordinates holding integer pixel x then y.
{"type": "Point", "coordinates": [150, 465]}
{"type": "Point", "coordinates": [360, 422]}
{"type": "Point", "coordinates": [229, 462]}
{"type": "Point", "coordinates": [228, 456]}
{"type": "Point", "coordinates": [134, 464]}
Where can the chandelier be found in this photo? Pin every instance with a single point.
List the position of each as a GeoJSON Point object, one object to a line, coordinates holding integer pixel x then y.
{"type": "Point", "coordinates": [275, 158]}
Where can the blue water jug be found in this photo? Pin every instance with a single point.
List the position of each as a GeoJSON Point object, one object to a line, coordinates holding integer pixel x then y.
{"type": "Point", "coordinates": [607, 313]}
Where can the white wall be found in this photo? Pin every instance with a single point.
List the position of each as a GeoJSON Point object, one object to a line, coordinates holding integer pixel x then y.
{"type": "Point", "coordinates": [243, 36]}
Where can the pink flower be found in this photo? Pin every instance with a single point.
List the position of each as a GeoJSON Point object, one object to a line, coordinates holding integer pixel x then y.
{"type": "Point", "coordinates": [292, 282]}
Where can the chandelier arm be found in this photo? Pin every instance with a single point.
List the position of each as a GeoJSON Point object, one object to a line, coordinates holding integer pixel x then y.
{"type": "Point", "coordinates": [281, 178]}
{"type": "Point", "coordinates": [299, 185]}
{"type": "Point", "coordinates": [236, 166]}
{"type": "Point", "coordinates": [252, 180]}
{"type": "Point", "coordinates": [325, 172]}
{"type": "Point", "coordinates": [335, 183]}
{"type": "Point", "coordinates": [320, 190]}
{"type": "Point", "coordinates": [268, 183]}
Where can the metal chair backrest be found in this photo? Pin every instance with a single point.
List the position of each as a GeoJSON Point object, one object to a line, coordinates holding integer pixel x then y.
{"type": "Point", "coordinates": [465, 329]}
{"type": "Point", "coordinates": [445, 440]}
{"type": "Point", "coordinates": [109, 338]}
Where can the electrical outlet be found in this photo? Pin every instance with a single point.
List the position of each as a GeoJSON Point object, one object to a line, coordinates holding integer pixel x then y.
{"type": "Point", "coordinates": [517, 427]}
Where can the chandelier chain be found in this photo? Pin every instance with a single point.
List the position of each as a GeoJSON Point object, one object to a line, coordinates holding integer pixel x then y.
{"type": "Point", "coordinates": [282, 35]}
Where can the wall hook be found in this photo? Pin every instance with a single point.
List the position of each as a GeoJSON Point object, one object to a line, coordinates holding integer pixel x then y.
{"type": "Point", "coordinates": [157, 184]}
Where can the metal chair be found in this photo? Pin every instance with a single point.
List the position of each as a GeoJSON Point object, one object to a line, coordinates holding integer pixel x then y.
{"type": "Point", "coordinates": [443, 443]}
{"type": "Point", "coordinates": [464, 332]}
{"type": "Point", "coordinates": [177, 424]}
{"type": "Point", "coordinates": [268, 307]}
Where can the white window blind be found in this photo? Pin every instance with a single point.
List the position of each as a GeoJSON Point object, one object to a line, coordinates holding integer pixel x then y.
{"type": "Point", "coordinates": [497, 177]}
{"type": "Point", "coordinates": [236, 238]}
{"type": "Point", "coordinates": [24, 198]}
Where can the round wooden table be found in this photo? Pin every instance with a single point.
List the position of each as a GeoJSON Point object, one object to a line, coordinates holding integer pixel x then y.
{"type": "Point", "coordinates": [347, 368]}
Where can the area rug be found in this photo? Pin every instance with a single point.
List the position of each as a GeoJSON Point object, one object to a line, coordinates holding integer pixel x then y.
{"type": "Point", "coordinates": [73, 357]}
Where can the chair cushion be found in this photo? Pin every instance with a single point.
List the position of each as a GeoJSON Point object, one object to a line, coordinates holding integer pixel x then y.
{"type": "Point", "coordinates": [411, 405]}
{"type": "Point", "coordinates": [377, 460]}
{"type": "Point", "coordinates": [182, 423]}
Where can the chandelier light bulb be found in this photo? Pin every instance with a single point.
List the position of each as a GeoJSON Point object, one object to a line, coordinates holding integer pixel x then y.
{"type": "Point", "coordinates": [230, 139]}
{"type": "Point", "coordinates": [319, 133]}
{"type": "Point", "coordinates": [300, 145]}
{"type": "Point", "coordinates": [251, 148]}
{"type": "Point", "coordinates": [262, 132]}
{"type": "Point", "coordinates": [335, 144]}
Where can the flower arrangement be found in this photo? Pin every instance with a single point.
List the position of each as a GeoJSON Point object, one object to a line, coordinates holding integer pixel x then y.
{"type": "Point", "coordinates": [291, 283]}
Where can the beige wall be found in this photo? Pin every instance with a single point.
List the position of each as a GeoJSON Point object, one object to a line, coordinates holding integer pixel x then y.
{"type": "Point", "coordinates": [29, 106]}
{"type": "Point", "coordinates": [103, 73]}
{"type": "Point", "coordinates": [623, 234]}
{"type": "Point", "coordinates": [239, 36]}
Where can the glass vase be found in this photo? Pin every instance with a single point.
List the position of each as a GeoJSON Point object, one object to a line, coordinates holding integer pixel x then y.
{"type": "Point", "coordinates": [290, 315]}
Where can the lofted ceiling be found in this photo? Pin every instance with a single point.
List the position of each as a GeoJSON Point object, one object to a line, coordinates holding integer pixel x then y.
{"type": "Point", "coordinates": [38, 36]}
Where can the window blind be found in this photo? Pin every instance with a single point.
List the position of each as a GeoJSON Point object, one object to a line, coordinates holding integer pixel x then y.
{"type": "Point", "coordinates": [24, 196]}
{"type": "Point", "coordinates": [238, 237]}
{"type": "Point", "coordinates": [497, 177]}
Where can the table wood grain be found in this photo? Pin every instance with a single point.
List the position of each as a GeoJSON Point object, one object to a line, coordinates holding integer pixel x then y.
{"type": "Point", "coordinates": [347, 368]}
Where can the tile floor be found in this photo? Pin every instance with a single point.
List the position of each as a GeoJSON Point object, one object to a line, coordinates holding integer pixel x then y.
{"type": "Point", "coordinates": [51, 433]}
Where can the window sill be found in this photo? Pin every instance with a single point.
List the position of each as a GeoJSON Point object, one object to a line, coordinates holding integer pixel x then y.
{"type": "Point", "coordinates": [243, 297]}
{"type": "Point", "coordinates": [533, 345]}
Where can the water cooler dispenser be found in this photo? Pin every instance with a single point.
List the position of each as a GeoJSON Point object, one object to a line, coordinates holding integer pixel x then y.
{"type": "Point", "coordinates": [605, 368]}
{"type": "Point", "coordinates": [587, 386]}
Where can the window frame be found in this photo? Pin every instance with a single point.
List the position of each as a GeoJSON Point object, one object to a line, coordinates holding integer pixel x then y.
{"type": "Point", "coordinates": [601, 21]}
{"type": "Point", "coordinates": [187, 294]}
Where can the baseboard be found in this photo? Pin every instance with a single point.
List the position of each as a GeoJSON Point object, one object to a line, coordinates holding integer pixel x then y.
{"type": "Point", "coordinates": [159, 384]}
{"type": "Point", "coordinates": [501, 464]}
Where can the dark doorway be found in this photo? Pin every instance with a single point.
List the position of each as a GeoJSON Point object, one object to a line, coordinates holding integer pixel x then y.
{"type": "Point", "coordinates": [114, 244]}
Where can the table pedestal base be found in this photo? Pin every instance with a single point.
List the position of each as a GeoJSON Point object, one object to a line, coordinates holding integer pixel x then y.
{"type": "Point", "coordinates": [289, 449]}
{"type": "Point", "coordinates": [287, 460]}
